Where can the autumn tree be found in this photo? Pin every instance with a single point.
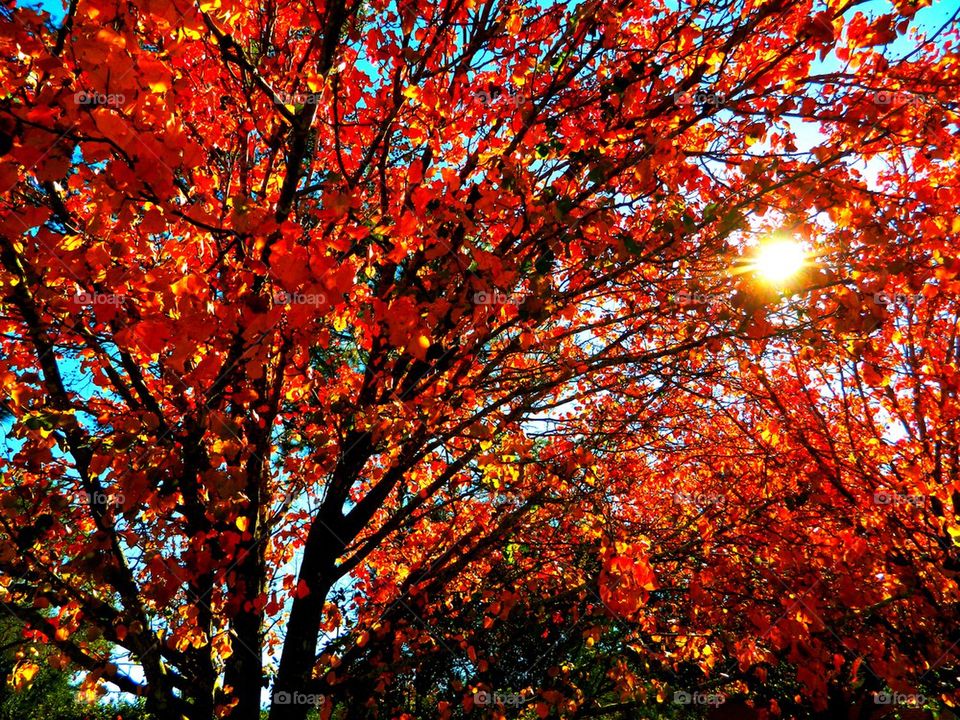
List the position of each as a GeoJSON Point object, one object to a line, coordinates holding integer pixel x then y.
{"type": "Point", "coordinates": [328, 326]}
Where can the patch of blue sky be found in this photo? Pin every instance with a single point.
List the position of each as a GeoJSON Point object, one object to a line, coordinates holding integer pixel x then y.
{"type": "Point", "coordinates": [56, 8]}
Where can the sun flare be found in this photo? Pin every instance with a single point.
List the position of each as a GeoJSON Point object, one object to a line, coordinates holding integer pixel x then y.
{"type": "Point", "coordinates": [778, 260]}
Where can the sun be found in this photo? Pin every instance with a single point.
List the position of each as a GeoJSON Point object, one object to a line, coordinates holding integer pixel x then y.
{"type": "Point", "coordinates": [778, 260]}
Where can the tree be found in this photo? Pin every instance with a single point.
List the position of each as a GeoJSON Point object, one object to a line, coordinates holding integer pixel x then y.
{"type": "Point", "coordinates": [322, 322]}
{"type": "Point", "coordinates": [42, 690]}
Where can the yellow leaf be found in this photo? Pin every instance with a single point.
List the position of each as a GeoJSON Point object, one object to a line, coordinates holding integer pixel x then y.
{"type": "Point", "coordinates": [222, 646]}
{"type": "Point", "coordinates": [243, 523]}
{"type": "Point", "coordinates": [191, 284]}
{"type": "Point", "coordinates": [191, 637]}
{"type": "Point", "coordinates": [714, 62]}
{"type": "Point", "coordinates": [71, 242]}
{"type": "Point", "coordinates": [109, 37]}
{"type": "Point", "coordinates": [23, 674]}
